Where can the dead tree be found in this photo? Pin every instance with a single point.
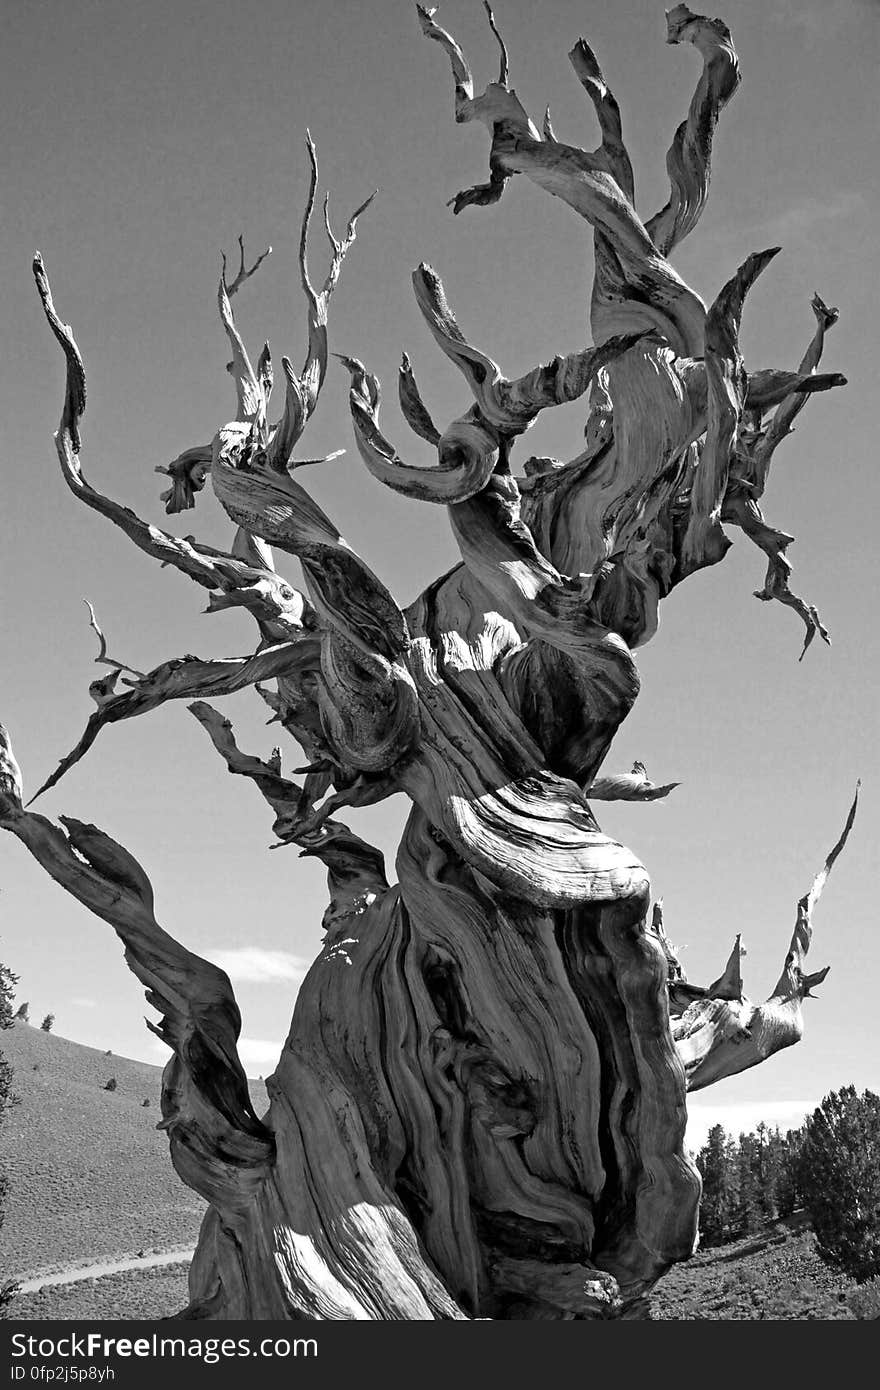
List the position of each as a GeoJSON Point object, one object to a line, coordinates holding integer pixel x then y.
{"type": "Point", "coordinates": [480, 1108]}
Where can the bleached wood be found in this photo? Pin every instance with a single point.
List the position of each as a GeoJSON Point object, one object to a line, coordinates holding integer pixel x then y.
{"type": "Point", "coordinates": [480, 1108]}
{"type": "Point", "coordinates": [723, 1033]}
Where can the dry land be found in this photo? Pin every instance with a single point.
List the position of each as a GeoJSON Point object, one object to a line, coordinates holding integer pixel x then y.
{"type": "Point", "coordinates": [90, 1182]}
{"type": "Point", "coordinates": [89, 1174]}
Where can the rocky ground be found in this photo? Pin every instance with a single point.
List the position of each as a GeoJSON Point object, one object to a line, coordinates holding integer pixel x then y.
{"type": "Point", "coordinates": [777, 1276]}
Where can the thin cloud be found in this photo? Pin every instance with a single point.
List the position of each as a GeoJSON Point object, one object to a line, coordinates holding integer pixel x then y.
{"type": "Point", "coordinates": [816, 21]}
{"type": "Point", "coordinates": [256, 965]}
{"type": "Point", "coordinates": [259, 1055]}
{"type": "Point", "coordinates": [802, 218]}
{"type": "Point", "coordinates": [743, 1118]}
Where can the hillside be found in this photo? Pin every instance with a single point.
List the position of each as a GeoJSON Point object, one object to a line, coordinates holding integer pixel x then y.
{"type": "Point", "coordinates": [776, 1276]}
{"type": "Point", "coordinates": [89, 1174]}
{"type": "Point", "coordinates": [90, 1178]}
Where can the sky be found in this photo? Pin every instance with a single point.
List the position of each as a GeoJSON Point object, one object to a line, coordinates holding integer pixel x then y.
{"type": "Point", "coordinates": [139, 141]}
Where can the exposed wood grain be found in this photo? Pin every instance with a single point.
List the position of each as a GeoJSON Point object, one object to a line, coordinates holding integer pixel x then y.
{"type": "Point", "coordinates": [480, 1109]}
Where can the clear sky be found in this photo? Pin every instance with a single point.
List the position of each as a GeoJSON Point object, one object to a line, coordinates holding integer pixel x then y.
{"type": "Point", "coordinates": [138, 141]}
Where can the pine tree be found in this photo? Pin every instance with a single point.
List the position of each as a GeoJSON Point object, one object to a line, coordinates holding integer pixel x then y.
{"type": "Point", "coordinates": [839, 1171]}
{"type": "Point", "coordinates": [717, 1169]}
{"type": "Point", "coordinates": [48, 1023]}
{"type": "Point", "coordinates": [789, 1194]}
{"type": "Point", "coordinates": [8, 981]}
{"type": "Point", "coordinates": [764, 1170]}
{"type": "Point", "coordinates": [748, 1206]}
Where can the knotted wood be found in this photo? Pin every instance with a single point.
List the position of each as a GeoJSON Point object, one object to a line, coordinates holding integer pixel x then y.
{"type": "Point", "coordinates": [480, 1109]}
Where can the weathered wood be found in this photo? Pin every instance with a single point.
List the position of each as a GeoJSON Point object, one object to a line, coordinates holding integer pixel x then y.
{"type": "Point", "coordinates": [480, 1109]}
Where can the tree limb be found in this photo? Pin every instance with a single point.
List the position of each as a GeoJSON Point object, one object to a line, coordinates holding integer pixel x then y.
{"type": "Point", "coordinates": [303, 390]}
{"type": "Point", "coordinates": [180, 679]}
{"type": "Point", "coordinates": [356, 870]}
{"type": "Point", "coordinates": [727, 385]}
{"type": "Point", "coordinates": [690, 155]}
{"type": "Point", "coordinates": [612, 150]}
{"type": "Point", "coordinates": [275, 604]}
{"type": "Point", "coordinates": [218, 1145]}
{"type": "Point", "coordinates": [722, 1033]}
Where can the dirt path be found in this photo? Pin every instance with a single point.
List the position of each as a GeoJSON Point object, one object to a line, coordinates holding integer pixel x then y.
{"type": "Point", "coordinates": [74, 1273]}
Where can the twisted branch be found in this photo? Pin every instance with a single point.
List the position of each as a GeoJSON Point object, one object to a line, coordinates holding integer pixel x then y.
{"type": "Point", "coordinates": [218, 1145]}
{"type": "Point", "coordinates": [689, 159]}
{"type": "Point", "coordinates": [181, 679]}
{"type": "Point", "coordinates": [279, 610]}
{"type": "Point", "coordinates": [720, 1032]}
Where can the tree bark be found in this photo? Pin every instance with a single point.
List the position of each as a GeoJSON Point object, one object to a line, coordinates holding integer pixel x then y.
{"type": "Point", "coordinates": [480, 1109]}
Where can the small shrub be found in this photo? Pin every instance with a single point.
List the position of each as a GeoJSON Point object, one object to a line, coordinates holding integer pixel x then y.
{"type": "Point", "coordinates": [840, 1180]}
{"type": "Point", "coordinates": [111, 1084]}
{"type": "Point", "coordinates": [7, 1294]}
{"type": "Point", "coordinates": [23, 1012]}
{"type": "Point", "coordinates": [48, 1023]}
{"type": "Point", "coordinates": [8, 981]}
{"type": "Point", "coordinates": [864, 1301]}
{"type": "Point", "coordinates": [146, 1102]}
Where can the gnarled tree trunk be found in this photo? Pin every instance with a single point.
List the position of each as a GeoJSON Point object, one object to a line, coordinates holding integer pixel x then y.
{"type": "Point", "coordinates": [480, 1109]}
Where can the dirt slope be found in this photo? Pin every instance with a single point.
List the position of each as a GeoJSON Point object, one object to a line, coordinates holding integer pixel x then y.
{"type": "Point", "coordinates": [89, 1174]}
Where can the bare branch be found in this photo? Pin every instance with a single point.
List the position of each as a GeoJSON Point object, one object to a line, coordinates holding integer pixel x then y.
{"type": "Point", "coordinates": [510, 407]}
{"type": "Point", "coordinates": [742, 509]}
{"type": "Point", "coordinates": [181, 679]}
{"type": "Point", "coordinates": [705, 539]}
{"type": "Point", "coordinates": [729, 984]}
{"type": "Point", "coordinates": [412, 406]}
{"type": "Point", "coordinates": [102, 658]}
{"type": "Point", "coordinates": [468, 449]}
{"type": "Point", "coordinates": [769, 388]}
{"type": "Point", "coordinates": [628, 786]}
{"type": "Point", "coordinates": [791, 981]}
{"type": "Point", "coordinates": [289, 428]}
{"type": "Point", "coordinates": [690, 155]}
{"type": "Point", "coordinates": [782, 422]}
{"type": "Point", "coordinates": [75, 389]}
{"type": "Point", "coordinates": [243, 274]}
{"type": "Point", "coordinates": [279, 610]}
{"type": "Point", "coordinates": [504, 74]}
{"type": "Point", "coordinates": [723, 1033]}
{"type": "Point", "coordinates": [265, 374]}
{"type": "Point", "coordinates": [218, 1145]}
{"type": "Point", "coordinates": [188, 473]}
{"type": "Point", "coordinates": [340, 248]}
{"type": "Point", "coordinates": [302, 392]}
{"type": "Point", "coordinates": [636, 288]}
{"type": "Point", "coordinates": [612, 150]}
{"type": "Point", "coordinates": [315, 366]}
{"type": "Point", "coordinates": [308, 288]}
{"type": "Point", "coordinates": [356, 869]}
{"type": "Point", "coordinates": [753, 458]}
{"type": "Point", "coordinates": [497, 106]}
{"type": "Point", "coordinates": [461, 73]}
{"type": "Point", "coordinates": [249, 397]}
{"type": "Point", "coordinates": [274, 506]}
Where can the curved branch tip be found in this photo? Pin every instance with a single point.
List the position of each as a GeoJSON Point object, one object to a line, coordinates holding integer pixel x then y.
{"type": "Point", "coordinates": [504, 73]}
